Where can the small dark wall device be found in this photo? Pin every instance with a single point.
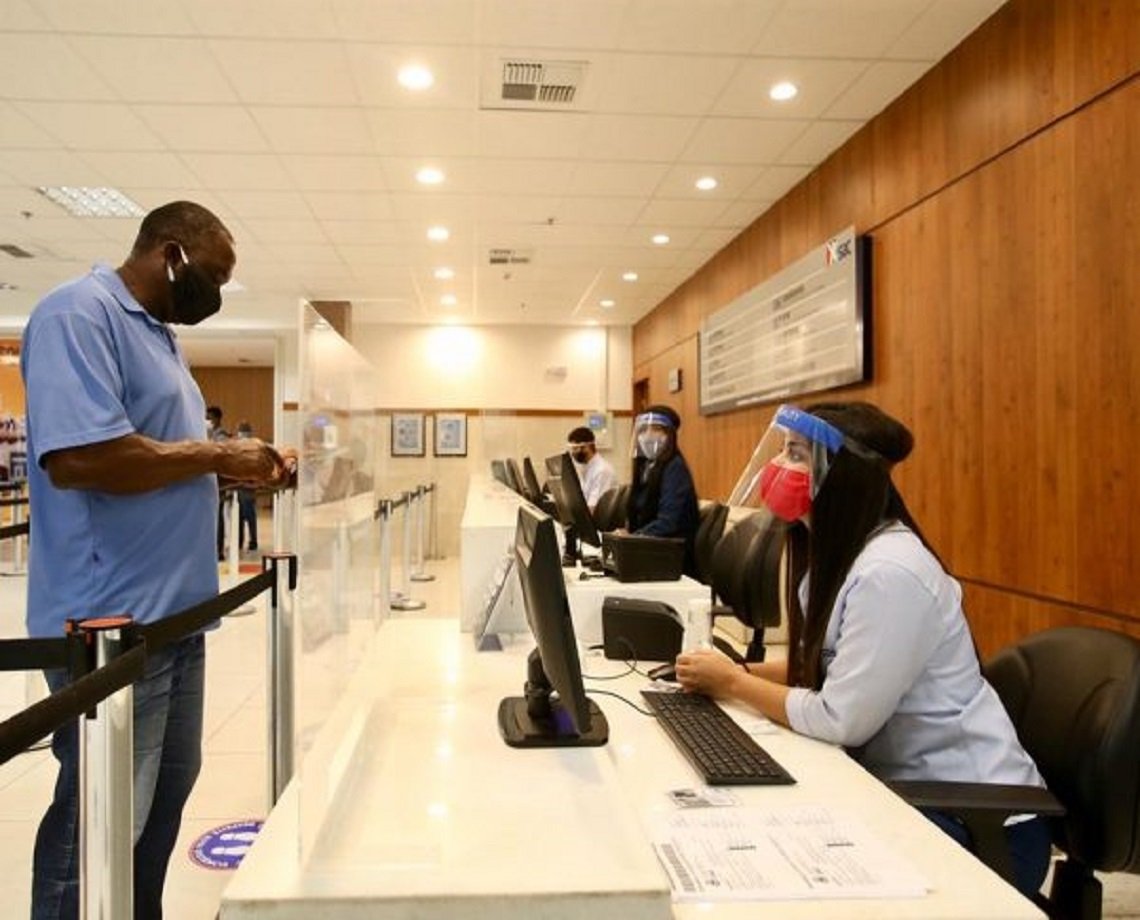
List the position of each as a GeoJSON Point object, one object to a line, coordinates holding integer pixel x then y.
{"type": "Point", "coordinates": [640, 630]}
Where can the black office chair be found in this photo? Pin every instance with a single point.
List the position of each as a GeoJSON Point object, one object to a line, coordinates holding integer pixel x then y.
{"type": "Point", "coordinates": [1073, 694]}
{"type": "Point", "coordinates": [712, 517]}
{"type": "Point", "coordinates": [610, 511]}
{"type": "Point", "coordinates": [745, 577]}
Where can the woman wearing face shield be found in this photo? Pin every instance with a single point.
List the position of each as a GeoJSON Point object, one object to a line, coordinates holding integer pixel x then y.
{"type": "Point", "coordinates": [880, 657]}
{"type": "Point", "coordinates": [662, 498]}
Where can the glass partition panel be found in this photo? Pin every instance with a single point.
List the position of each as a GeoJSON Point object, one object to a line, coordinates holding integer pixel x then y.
{"type": "Point", "coordinates": [336, 541]}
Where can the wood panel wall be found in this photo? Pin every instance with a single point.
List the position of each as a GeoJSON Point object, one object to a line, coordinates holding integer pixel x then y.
{"type": "Point", "coordinates": [242, 393]}
{"type": "Point", "coordinates": [1002, 194]}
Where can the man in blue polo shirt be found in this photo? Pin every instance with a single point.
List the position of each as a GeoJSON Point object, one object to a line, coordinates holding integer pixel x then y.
{"type": "Point", "coordinates": [124, 495]}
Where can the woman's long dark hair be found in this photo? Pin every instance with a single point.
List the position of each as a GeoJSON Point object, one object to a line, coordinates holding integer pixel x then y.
{"type": "Point", "coordinates": [855, 499]}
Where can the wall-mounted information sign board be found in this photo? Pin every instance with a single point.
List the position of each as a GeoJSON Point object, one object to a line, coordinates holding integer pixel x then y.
{"type": "Point", "coordinates": [806, 328]}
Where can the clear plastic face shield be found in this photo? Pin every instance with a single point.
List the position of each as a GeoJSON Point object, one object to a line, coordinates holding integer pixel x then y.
{"type": "Point", "coordinates": [652, 434]}
{"type": "Point", "coordinates": [788, 465]}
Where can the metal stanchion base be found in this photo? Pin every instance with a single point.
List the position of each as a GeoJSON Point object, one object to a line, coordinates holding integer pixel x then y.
{"type": "Point", "coordinates": [422, 576]}
{"type": "Point", "coordinates": [408, 603]}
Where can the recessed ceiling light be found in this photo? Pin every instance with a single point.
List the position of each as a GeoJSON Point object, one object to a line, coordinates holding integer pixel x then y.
{"type": "Point", "coordinates": [607, 303]}
{"type": "Point", "coordinates": [449, 300]}
{"type": "Point", "coordinates": [84, 201]}
{"type": "Point", "coordinates": [660, 239]}
{"type": "Point", "coordinates": [429, 175]}
{"type": "Point", "coordinates": [438, 234]}
{"type": "Point", "coordinates": [783, 91]}
{"type": "Point", "coordinates": [415, 77]}
{"type": "Point", "coordinates": [629, 276]}
{"type": "Point", "coordinates": [706, 183]}
{"type": "Point", "coordinates": [443, 273]}
{"type": "Point", "coordinates": [592, 322]}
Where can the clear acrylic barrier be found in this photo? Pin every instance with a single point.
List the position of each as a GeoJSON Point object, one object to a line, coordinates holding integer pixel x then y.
{"type": "Point", "coordinates": [336, 542]}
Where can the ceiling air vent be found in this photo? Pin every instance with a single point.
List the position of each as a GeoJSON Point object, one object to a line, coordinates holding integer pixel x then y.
{"type": "Point", "coordinates": [533, 83]}
{"type": "Point", "coordinates": [510, 256]}
{"type": "Point", "coordinates": [16, 252]}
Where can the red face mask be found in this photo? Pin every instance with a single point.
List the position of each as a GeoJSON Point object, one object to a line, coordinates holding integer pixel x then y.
{"type": "Point", "coordinates": [786, 491]}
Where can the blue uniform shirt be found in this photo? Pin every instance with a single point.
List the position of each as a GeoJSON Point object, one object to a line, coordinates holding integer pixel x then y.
{"type": "Point", "coordinates": [96, 367]}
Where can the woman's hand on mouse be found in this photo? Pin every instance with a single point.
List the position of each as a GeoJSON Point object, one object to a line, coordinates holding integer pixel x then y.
{"type": "Point", "coordinates": [709, 672]}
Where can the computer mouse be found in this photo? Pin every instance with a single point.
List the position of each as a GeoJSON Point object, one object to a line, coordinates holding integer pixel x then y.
{"type": "Point", "coordinates": [667, 671]}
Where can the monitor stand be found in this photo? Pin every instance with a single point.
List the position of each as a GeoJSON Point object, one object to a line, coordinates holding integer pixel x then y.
{"type": "Point", "coordinates": [570, 553]}
{"type": "Point", "coordinates": [536, 720]}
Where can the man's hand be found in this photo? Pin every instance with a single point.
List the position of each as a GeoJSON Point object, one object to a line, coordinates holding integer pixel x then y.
{"type": "Point", "coordinates": [251, 462]}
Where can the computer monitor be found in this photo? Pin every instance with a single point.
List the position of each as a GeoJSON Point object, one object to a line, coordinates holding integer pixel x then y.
{"type": "Point", "coordinates": [573, 512]}
{"type": "Point", "coordinates": [499, 471]}
{"type": "Point", "coordinates": [537, 719]}
{"type": "Point", "coordinates": [514, 477]}
{"type": "Point", "coordinates": [532, 489]}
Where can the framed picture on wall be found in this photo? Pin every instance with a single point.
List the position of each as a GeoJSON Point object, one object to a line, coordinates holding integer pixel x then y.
{"type": "Point", "coordinates": [451, 434]}
{"type": "Point", "coordinates": [407, 434]}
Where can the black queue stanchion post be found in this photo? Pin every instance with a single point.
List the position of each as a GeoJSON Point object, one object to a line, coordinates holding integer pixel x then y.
{"type": "Point", "coordinates": [383, 514]}
{"type": "Point", "coordinates": [281, 679]}
{"type": "Point", "coordinates": [405, 601]}
{"type": "Point", "coordinates": [106, 785]}
{"type": "Point", "coordinates": [418, 573]}
{"type": "Point", "coordinates": [17, 530]}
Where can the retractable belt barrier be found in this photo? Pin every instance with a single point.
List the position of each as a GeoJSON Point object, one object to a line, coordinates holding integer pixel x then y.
{"type": "Point", "coordinates": [104, 658]}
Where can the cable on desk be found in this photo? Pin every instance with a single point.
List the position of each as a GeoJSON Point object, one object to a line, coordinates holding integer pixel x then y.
{"type": "Point", "coordinates": [618, 696]}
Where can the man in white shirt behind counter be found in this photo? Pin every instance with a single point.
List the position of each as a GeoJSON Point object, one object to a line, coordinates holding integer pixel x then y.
{"type": "Point", "coordinates": [594, 470]}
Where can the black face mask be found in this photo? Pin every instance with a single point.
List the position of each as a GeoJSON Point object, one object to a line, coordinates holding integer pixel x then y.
{"type": "Point", "coordinates": [193, 295]}
{"type": "Point", "coordinates": [580, 456]}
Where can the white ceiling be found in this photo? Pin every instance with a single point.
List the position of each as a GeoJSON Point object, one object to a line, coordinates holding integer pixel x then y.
{"type": "Point", "coordinates": [285, 118]}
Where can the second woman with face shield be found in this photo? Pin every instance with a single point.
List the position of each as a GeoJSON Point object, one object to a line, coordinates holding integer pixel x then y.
{"type": "Point", "coordinates": [662, 498]}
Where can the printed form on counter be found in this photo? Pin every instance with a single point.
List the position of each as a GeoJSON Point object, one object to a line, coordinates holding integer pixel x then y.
{"type": "Point", "coordinates": [742, 854]}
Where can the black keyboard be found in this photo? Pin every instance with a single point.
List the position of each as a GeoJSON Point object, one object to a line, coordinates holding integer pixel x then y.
{"type": "Point", "coordinates": [721, 750]}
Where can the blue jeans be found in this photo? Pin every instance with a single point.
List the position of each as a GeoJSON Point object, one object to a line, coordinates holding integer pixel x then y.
{"type": "Point", "coordinates": [168, 755]}
{"type": "Point", "coordinates": [1030, 846]}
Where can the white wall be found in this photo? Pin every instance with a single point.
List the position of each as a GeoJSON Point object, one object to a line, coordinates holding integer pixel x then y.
{"type": "Point", "coordinates": [499, 367]}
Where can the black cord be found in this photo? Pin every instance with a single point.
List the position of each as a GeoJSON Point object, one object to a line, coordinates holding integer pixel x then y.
{"type": "Point", "coordinates": [618, 696]}
{"type": "Point", "coordinates": [630, 668]}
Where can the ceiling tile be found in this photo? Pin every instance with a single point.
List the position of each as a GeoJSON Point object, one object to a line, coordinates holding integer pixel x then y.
{"type": "Point", "coordinates": [648, 138]}
{"type": "Point", "coordinates": [21, 15]}
{"type": "Point", "coordinates": [541, 24]}
{"type": "Point", "coordinates": [366, 232]}
{"type": "Point", "coordinates": [204, 128]}
{"type": "Point", "coordinates": [425, 21]}
{"type": "Point", "coordinates": [460, 175]}
{"type": "Point", "coordinates": [314, 130]}
{"type": "Point", "coordinates": [335, 173]}
{"type": "Point", "coordinates": [92, 126]}
{"type": "Point", "coordinates": [239, 171]}
{"type": "Point", "coordinates": [286, 72]}
{"type": "Point", "coordinates": [24, 76]}
{"type": "Point", "coordinates": [874, 90]}
{"type": "Point", "coordinates": [349, 205]}
{"type": "Point", "coordinates": [838, 28]}
{"type": "Point", "coordinates": [742, 213]}
{"type": "Point", "coordinates": [374, 68]}
{"type": "Point", "coordinates": [20, 131]}
{"type": "Point", "coordinates": [602, 210]}
{"type": "Point", "coordinates": [681, 212]}
{"type": "Point", "coordinates": [732, 181]}
{"type": "Point", "coordinates": [941, 27]}
{"type": "Point", "coordinates": [258, 204]}
{"type": "Point", "coordinates": [123, 168]}
{"type": "Point", "coordinates": [423, 132]}
{"type": "Point", "coordinates": [742, 140]}
{"type": "Point", "coordinates": [442, 208]}
{"type": "Point", "coordinates": [161, 70]}
{"type": "Point", "coordinates": [122, 17]}
{"type": "Point", "coordinates": [818, 142]}
{"type": "Point", "coordinates": [301, 19]}
{"type": "Point", "coordinates": [628, 179]}
{"type": "Point", "coordinates": [49, 167]}
{"type": "Point", "coordinates": [286, 230]}
{"type": "Point", "coordinates": [654, 84]}
{"type": "Point", "coordinates": [531, 134]}
{"type": "Point", "coordinates": [775, 182]}
{"type": "Point", "coordinates": [523, 177]}
{"type": "Point", "coordinates": [819, 82]}
{"type": "Point", "coordinates": [685, 27]}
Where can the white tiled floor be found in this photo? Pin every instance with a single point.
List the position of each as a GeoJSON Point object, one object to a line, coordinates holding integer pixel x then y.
{"type": "Point", "coordinates": [232, 784]}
